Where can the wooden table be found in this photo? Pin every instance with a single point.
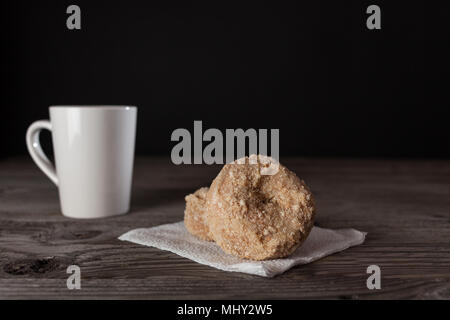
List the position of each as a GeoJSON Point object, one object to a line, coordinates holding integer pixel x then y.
{"type": "Point", "coordinates": [404, 205]}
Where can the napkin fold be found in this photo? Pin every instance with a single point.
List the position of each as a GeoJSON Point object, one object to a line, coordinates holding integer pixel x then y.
{"type": "Point", "coordinates": [175, 238]}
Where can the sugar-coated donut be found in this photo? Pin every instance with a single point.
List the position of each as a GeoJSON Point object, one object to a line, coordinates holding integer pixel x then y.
{"type": "Point", "coordinates": [257, 216]}
{"type": "Point", "coordinates": [194, 214]}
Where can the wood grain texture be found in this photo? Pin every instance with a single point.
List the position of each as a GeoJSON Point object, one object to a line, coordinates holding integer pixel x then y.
{"type": "Point", "coordinates": [404, 205]}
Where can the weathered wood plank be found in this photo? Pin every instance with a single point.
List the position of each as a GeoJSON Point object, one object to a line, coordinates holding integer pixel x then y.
{"type": "Point", "coordinates": [403, 204]}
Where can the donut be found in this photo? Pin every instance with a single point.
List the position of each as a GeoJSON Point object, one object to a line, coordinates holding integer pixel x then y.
{"type": "Point", "coordinates": [194, 214]}
{"type": "Point", "coordinates": [256, 216]}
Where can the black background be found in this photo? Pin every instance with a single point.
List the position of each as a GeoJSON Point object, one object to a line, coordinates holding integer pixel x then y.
{"type": "Point", "coordinates": [313, 70]}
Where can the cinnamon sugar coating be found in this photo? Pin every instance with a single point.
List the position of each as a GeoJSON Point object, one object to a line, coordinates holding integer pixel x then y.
{"type": "Point", "coordinates": [195, 212]}
{"type": "Point", "coordinates": [257, 216]}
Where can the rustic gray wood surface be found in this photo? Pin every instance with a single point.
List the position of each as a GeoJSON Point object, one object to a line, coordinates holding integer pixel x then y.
{"type": "Point", "coordinates": [404, 205]}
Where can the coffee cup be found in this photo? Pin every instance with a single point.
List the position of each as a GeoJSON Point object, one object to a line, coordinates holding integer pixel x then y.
{"type": "Point", "coordinates": [93, 154]}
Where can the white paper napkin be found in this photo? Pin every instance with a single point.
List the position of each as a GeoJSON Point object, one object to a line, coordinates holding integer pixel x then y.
{"type": "Point", "coordinates": [175, 238]}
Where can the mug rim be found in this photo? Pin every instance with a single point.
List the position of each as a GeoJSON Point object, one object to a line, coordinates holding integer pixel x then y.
{"type": "Point", "coordinates": [88, 106]}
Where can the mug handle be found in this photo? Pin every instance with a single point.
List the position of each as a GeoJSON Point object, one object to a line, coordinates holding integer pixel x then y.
{"type": "Point", "coordinates": [35, 150]}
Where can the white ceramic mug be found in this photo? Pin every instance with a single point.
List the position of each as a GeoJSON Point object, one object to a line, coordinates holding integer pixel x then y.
{"type": "Point", "coordinates": [94, 153]}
